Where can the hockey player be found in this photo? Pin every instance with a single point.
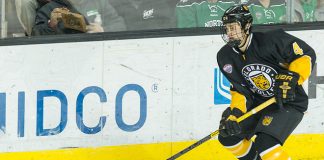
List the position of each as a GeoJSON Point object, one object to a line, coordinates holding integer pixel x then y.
{"type": "Point", "coordinates": [260, 66]}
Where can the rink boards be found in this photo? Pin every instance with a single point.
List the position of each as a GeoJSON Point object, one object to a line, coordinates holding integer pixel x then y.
{"type": "Point", "coordinates": [140, 99]}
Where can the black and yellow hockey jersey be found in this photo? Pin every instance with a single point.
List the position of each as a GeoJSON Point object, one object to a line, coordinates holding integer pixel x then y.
{"type": "Point", "coordinates": [252, 73]}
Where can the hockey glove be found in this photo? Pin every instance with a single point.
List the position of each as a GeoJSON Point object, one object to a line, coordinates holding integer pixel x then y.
{"type": "Point", "coordinates": [228, 124]}
{"type": "Point", "coordinates": [285, 87]}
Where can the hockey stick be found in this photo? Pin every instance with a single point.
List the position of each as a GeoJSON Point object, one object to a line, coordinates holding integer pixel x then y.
{"type": "Point", "coordinates": [210, 136]}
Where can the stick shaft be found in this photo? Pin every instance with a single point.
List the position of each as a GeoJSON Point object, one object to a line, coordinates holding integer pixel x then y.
{"type": "Point", "coordinates": [257, 109]}
{"type": "Point", "coordinates": [193, 145]}
{"type": "Point", "coordinates": [215, 133]}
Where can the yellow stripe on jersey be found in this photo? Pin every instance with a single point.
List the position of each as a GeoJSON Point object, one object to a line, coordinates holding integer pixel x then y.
{"type": "Point", "coordinates": [238, 101]}
{"type": "Point", "coordinates": [275, 153]}
{"type": "Point", "coordinates": [241, 149]}
{"type": "Point", "coordinates": [302, 66]}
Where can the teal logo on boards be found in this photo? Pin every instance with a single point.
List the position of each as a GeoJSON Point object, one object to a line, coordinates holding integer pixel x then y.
{"type": "Point", "coordinates": [221, 88]}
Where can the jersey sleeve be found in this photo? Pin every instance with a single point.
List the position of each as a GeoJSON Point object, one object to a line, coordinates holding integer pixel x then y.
{"type": "Point", "coordinates": [296, 53]}
{"type": "Point", "coordinates": [238, 100]}
{"type": "Point", "coordinates": [302, 66]}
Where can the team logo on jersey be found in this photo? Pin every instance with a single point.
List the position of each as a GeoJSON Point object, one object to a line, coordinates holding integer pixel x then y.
{"type": "Point", "coordinates": [260, 78]}
{"type": "Point", "coordinates": [267, 120]}
{"type": "Point", "coordinates": [297, 49]}
{"type": "Point", "coordinates": [261, 81]}
{"type": "Point", "coordinates": [228, 68]}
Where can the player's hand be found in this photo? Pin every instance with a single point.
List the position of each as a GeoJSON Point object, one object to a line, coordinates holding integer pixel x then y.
{"type": "Point", "coordinates": [56, 16]}
{"type": "Point", "coordinates": [285, 87]}
{"type": "Point", "coordinates": [228, 124]}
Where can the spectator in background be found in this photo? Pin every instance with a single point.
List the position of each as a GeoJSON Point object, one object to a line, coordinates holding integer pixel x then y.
{"type": "Point", "coordinates": [48, 18]}
{"type": "Point", "coordinates": [268, 11]}
{"type": "Point", "coordinates": [26, 13]}
{"type": "Point", "coordinates": [319, 12]}
{"type": "Point", "coordinates": [99, 16]}
{"type": "Point", "coordinates": [102, 12]}
{"type": "Point", "coordinates": [1, 22]}
{"type": "Point", "coordinates": [129, 10]}
{"type": "Point", "coordinates": [305, 10]}
{"type": "Point", "coordinates": [12, 27]}
{"type": "Point", "coordinates": [146, 14]}
{"type": "Point", "coordinates": [201, 13]}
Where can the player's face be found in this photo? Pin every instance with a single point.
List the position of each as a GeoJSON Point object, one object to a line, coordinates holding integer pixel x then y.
{"type": "Point", "coordinates": [234, 31]}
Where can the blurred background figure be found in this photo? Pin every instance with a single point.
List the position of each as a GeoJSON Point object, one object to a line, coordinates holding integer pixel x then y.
{"type": "Point", "coordinates": [146, 14]}
{"type": "Point", "coordinates": [305, 10]}
{"type": "Point", "coordinates": [201, 13]}
{"type": "Point", "coordinates": [10, 26]}
{"type": "Point", "coordinates": [268, 11]}
{"type": "Point", "coordinates": [48, 18]}
{"type": "Point", "coordinates": [26, 13]}
{"type": "Point", "coordinates": [1, 20]}
{"type": "Point", "coordinates": [319, 12]}
{"type": "Point", "coordinates": [100, 12]}
{"type": "Point", "coordinates": [97, 15]}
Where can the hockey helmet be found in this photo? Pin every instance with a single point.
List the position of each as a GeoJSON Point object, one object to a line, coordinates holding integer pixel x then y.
{"type": "Point", "coordinates": [237, 13]}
